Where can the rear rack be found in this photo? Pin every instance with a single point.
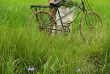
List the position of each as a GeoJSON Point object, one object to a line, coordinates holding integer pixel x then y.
{"type": "Point", "coordinates": [39, 8]}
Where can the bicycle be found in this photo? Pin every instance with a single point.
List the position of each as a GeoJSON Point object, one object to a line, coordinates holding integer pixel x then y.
{"type": "Point", "coordinates": [91, 24]}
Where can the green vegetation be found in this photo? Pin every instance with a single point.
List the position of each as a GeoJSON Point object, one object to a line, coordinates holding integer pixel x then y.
{"type": "Point", "coordinates": [20, 50]}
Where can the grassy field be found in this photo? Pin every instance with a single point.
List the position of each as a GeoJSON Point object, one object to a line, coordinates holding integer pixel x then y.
{"type": "Point", "coordinates": [20, 50]}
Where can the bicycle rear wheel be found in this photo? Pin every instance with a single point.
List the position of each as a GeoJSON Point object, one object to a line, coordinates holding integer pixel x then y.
{"type": "Point", "coordinates": [41, 21]}
{"type": "Point", "coordinates": [91, 26]}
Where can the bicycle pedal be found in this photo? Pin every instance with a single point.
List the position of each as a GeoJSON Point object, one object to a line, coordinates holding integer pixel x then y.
{"type": "Point", "coordinates": [91, 27]}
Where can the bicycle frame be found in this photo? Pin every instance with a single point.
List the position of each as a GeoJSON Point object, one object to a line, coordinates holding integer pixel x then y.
{"type": "Point", "coordinates": [61, 17]}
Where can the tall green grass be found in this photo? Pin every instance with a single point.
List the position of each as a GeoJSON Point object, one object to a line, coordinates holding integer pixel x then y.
{"type": "Point", "coordinates": [20, 50]}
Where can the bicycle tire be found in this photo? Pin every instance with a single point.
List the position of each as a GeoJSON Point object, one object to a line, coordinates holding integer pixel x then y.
{"type": "Point", "coordinates": [91, 26]}
{"type": "Point", "coordinates": [42, 20]}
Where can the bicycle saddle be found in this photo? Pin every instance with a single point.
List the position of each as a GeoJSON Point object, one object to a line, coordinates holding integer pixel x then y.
{"type": "Point", "coordinates": [55, 4]}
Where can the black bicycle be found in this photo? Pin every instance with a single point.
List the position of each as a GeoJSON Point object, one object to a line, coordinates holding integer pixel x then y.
{"type": "Point", "coordinates": [91, 24]}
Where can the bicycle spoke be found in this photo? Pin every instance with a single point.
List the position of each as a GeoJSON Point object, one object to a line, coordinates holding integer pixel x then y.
{"type": "Point", "coordinates": [44, 21]}
{"type": "Point", "coordinates": [91, 26]}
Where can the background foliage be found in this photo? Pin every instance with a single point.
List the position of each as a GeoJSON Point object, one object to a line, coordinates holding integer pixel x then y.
{"type": "Point", "coordinates": [50, 54]}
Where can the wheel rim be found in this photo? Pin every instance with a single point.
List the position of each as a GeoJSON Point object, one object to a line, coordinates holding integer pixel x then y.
{"type": "Point", "coordinates": [91, 26]}
{"type": "Point", "coordinates": [41, 21]}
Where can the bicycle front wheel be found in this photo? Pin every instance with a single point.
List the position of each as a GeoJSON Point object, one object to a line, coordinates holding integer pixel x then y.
{"type": "Point", "coordinates": [91, 26]}
{"type": "Point", "coordinates": [41, 21]}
